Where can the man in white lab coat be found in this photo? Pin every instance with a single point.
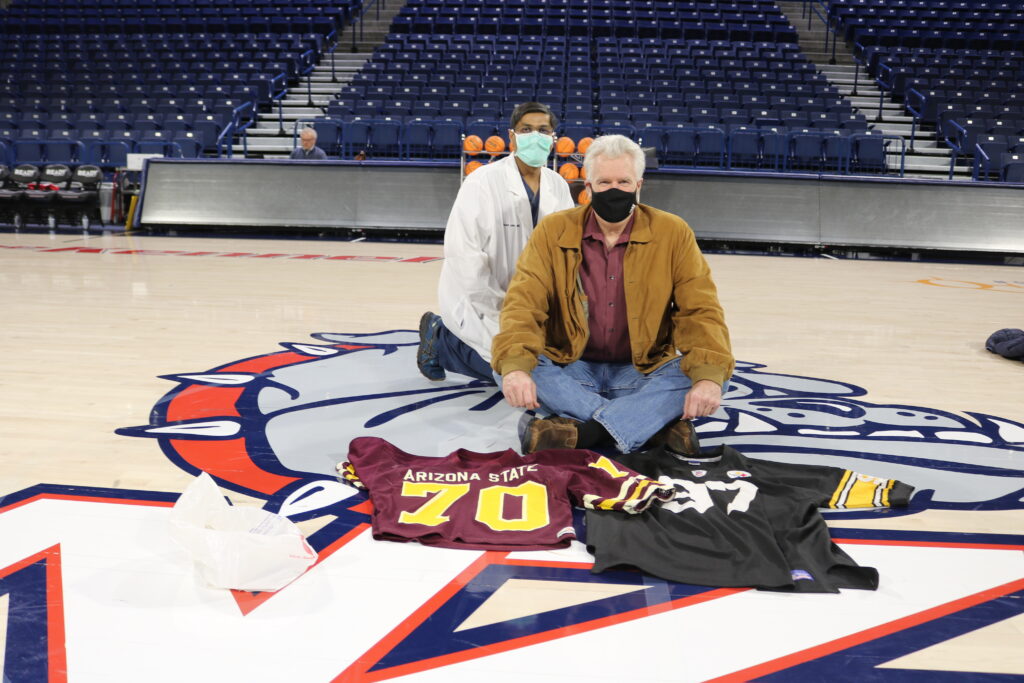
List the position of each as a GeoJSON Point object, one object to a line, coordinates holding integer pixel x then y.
{"type": "Point", "coordinates": [491, 220]}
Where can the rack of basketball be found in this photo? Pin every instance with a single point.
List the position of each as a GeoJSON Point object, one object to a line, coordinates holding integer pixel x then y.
{"type": "Point", "coordinates": [567, 159]}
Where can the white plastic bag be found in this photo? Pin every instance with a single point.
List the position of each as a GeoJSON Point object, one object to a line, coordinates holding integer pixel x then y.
{"type": "Point", "coordinates": [238, 547]}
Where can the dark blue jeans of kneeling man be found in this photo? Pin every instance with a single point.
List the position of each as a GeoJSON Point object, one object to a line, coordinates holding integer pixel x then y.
{"type": "Point", "coordinates": [455, 355]}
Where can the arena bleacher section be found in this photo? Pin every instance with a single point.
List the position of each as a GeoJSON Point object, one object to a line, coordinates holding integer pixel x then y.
{"type": "Point", "coordinates": [706, 84]}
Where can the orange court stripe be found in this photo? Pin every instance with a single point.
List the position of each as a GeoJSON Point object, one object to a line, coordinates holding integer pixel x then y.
{"type": "Point", "coordinates": [56, 645]}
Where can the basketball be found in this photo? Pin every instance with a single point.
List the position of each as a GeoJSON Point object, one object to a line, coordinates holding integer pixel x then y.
{"type": "Point", "coordinates": [473, 165]}
{"type": "Point", "coordinates": [564, 147]}
{"type": "Point", "coordinates": [583, 198]}
{"type": "Point", "coordinates": [584, 145]}
{"type": "Point", "coordinates": [472, 144]}
{"type": "Point", "coordinates": [569, 171]}
{"type": "Point", "coordinates": [583, 172]}
{"type": "Point", "coordinates": [495, 145]}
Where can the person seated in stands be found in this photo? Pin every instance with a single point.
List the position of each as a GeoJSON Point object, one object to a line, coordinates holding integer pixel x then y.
{"type": "Point", "coordinates": [307, 148]}
{"type": "Point", "coordinates": [493, 216]}
{"type": "Point", "coordinates": [612, 321]}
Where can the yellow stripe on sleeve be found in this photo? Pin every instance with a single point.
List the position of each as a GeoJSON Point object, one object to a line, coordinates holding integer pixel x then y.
{"type": "Point", "coordinates": [837, 495]}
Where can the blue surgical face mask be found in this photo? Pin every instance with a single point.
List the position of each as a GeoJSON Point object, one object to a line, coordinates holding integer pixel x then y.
{"type": "Point", "coordinates": [533, 148]}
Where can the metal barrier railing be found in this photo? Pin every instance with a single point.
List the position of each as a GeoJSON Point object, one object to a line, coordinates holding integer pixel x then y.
{"type": "Point", "coordinates": [956, 143]}
{"type": "Point", "coordinates": [915, 103]}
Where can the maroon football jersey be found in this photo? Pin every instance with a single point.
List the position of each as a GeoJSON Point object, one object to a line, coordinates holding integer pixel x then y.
{"type": "Point", "coordinates": [490, 501]}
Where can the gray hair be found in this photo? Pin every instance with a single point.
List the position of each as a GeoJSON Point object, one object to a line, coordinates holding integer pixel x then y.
{"type": "Point", "coordinates": [308, 130]}
{"type": "Point", "coordinates": [614, 147]}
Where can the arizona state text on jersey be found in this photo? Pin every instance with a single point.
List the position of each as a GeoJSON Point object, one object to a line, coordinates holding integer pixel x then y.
{"type": "Point", "coordinates": [490, 501]}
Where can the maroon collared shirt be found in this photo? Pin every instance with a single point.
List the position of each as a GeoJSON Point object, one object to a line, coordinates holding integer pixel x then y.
{"type": "Point", "coordinates": [601, 274]}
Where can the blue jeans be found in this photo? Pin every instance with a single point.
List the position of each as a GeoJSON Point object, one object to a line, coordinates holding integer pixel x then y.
{"type": "Point", "coordinates": [630, 405]}
{"type": "Point", "coordinates": [455, 355]}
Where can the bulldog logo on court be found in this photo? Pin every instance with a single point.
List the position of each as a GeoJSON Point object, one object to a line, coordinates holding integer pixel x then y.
{"type": "Point", "coordinates": [274, 426]}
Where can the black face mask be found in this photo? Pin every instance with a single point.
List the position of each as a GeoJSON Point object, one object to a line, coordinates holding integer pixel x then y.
{"type": "Point", "coordinates": [613, 205]}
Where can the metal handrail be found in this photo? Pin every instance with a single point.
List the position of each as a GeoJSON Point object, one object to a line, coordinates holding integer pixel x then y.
{"type": "Point", "coordinates": [979, 154]}
{"type": "Point", "coordinates": [308, 65]}
{"type": "Point", "coordinates": [956, 144]}
{"type": "Point", "coordinates": [915, 114]}
{"type": "Point", "coordinates": [279, 98]}
{"type": "Point", "coordinates": [883, 86]}
{"type": "Point", "coordinates": [229, 133]}
{"type": "Point", "coordinates": [243, 128]}
{"type": "Point", "coordinates": [858, 60]}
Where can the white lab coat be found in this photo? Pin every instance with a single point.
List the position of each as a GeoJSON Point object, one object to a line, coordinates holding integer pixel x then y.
{"type": "Point", "coordinates": [488, 227]}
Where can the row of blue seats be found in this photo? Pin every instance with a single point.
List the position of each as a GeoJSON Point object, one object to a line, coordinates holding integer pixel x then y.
{"type": "Point", "coordinates": [44, 43]}
{"type": "Point", "coordinates": [141, 104]}
{"type": "Point", "coordinates": [573, 126]}
{"type": "Point", "coordinates": [501, 108]}
{"type": "Point", "coordinates": [663, 90]}
{"type": "Point", "coordinates": [600, 4]}
{"type": "Point", "coordinates": [605, 57]}
{"type": "Point", "coordinates": [932, 13]}
{"type": "Point", "coordinates": [939, 92]}
{"type": "Point", "coordinates": [619, 13]}
{"type": "Point", "coordinates": [71, 56]}
{"type": "Point", "coordinates": [642, 55]}
{"type": "Point", "coordinates": [59, 120]}
{"type": "Point", "coordinates": [205, 132]}
{"type": "Point", "coordinates": [57, 98]}
{"type": "Point", "coordinates": [943, 67]}
{"type": "Point", "coordinates": [192, 60]}
{"type": "Point", "coordinates": [953, 38]}
{"type": "Point", "coordinates": [872, 54]}
{"type": "Point", "coordinates": [141, 25]}
{"type": "Point", "coordinates": [604, 99]}
{"type": "Point", "coordinates": [422, 40]}
{"type": "Point", "coordinates": [159, 4]}
{"type": "Point", "coordinates": [930, 107]}
{"type": "Point", "coordinates": [78, 57]}
{"type": "Point", "coordinates": [776, 148]}
{"type": "Point", "coordinates": [102, 110]}
{"type": "Point", "coordinates": [664, 29]}
{"type": "Point", "coordinates": [610, 90]}
{"type": "Point", "coordinates": [333, 12]}
{"type": "Point", "coordinates": [122, 107]}
{"type": "Point", "coordinates": [759, 70]}
{"type": "Point", "coordinates": [651, 113]}
{"type": "Point", "coordinates": [638, 80]}
{"type": "Point", "coordinates": [108, 152]}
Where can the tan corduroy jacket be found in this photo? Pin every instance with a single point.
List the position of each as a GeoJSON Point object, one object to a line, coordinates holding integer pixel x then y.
{"type": "Point", "coordinates": [671, 302]}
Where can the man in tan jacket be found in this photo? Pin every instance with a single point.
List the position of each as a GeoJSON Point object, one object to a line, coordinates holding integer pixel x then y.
{"type": "Point", "coordinates": [612, 321]}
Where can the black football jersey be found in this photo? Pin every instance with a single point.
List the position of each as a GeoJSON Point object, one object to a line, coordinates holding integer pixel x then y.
{"type": "Point", "coordinates": [737, 521]}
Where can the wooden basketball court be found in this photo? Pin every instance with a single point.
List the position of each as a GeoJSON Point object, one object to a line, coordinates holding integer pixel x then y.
{"type": "Point", "coordinates": [878, 364]}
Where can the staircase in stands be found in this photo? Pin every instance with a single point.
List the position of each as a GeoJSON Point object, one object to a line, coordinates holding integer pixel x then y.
{"type": "Point", "coordinates": [929, 159]}
{"type": "Point", "coordinates": [271, 137]}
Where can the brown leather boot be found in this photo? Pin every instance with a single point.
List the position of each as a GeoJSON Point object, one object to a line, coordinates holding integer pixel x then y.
{"type": "Point", "coordinates": [549, 432]}
{"type": "Point", "coordinates": [679, 437]}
